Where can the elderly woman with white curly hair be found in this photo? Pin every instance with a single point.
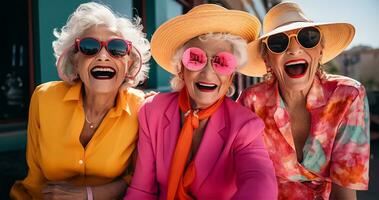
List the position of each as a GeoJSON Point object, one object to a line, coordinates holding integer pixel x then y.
{"type": "Point", "coordinates": [82, 131]}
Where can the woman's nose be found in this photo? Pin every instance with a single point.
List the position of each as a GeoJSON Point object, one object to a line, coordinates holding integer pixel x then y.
{"type": "Point", "coordinates": [208, 69]}
{"type": "Point", "coordinates": [103, 55]}
{"type": "Point", "coordinates": [294, 48]}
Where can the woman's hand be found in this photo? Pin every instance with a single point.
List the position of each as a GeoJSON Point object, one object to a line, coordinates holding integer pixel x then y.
{"type": "Point", "coordinates": [63, 190]}
{"type": "Point", "coordinates": [339, 192]}
{"type": "Point", "coordinates": [149, 94]}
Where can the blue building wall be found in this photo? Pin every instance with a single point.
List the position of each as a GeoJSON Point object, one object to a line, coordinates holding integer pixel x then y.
{"type": "Point", "coordinates": [46, 17]}
{"type": "Point", "coordinates": [158, 12]}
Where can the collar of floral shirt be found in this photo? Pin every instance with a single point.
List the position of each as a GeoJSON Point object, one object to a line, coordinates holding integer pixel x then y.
{"type": "Point", "coordinates": [315, 98]}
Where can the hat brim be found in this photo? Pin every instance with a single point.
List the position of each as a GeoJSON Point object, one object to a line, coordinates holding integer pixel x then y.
{"type": "Point", "coordinates": [176, 32]}
{"type": "Point", "coordinates": [336, 36]}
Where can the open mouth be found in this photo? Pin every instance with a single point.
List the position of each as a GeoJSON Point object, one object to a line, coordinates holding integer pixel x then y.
{"type": "Point", "coordinates": [205, 87]}
{"type": "Point", "coordinates": [100, 72]}
{"type": "Point", "coordinates": [296, 68]}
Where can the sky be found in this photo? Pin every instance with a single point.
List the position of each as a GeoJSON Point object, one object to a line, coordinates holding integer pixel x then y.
{"type": "Point", "coordinates": [363, 14]}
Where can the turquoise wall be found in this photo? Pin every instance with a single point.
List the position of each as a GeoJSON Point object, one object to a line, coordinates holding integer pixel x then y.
{"type": "Point", "coordinates": [54, 14]}
{"type": "Point", "coordinates": [158, 12]}
{"type": "Point", "coordinates": [47, 19]}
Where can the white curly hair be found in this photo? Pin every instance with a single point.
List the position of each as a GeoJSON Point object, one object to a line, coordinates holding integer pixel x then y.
{"type": "Point", "coordinates": [91, 14]}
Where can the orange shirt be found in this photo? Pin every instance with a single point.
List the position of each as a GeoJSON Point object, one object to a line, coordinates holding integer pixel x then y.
{"type": "Point", "coordinates": [54, 152]}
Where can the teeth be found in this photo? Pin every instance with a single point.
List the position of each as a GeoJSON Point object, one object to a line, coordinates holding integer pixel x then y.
{"type": "Point", "coordinates": [103, 72]}
{"type": "Point", "coordinates": [103, 69]}
{"type": "Point", "coordinates": [296, 62]}
{"type": "Point", "coordinates": [207, 84]}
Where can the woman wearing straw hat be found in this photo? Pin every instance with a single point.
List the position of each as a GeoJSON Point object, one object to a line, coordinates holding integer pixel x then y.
{"type": "Point", "coordinates": [197, 143]}
{"type": "Point", "coordinates": [316, 124]}
{"type": "Point", "coordinates": [82, 131]}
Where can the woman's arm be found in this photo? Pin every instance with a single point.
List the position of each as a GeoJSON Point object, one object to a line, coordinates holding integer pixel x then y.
{"type": "Point", "coordinates": [349, 165]}
{"type": "Point", "coordinates": [114, 190]}
{"type": "Point", "coordinates": [144, 184]}
{"type": "Point", "coordinates": [339, 192]}
{"type": "Point", "coordinates": [31, 186]}
{"type": "Point", "coordinates": [63, 190]}
{"type": "Point", "coordinates": [255, 171]}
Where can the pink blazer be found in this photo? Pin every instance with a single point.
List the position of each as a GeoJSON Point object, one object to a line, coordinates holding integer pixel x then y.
{"type": "Point", "coordinates": [231, 162]}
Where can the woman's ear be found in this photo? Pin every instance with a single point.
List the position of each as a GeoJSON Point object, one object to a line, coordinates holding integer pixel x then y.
{"type": "Point", "coordinates": [232, 78]}
{"type": "Point", "coordinates": [180, 73]}
{"type": "Point", "coordinates": [266, 60]}
{"type": "Point", "coordinates": [74, 62]}
{"type": "Point", "coordinates": [320, 59]}
{"type": "Point", "coordinates": [132, 63]}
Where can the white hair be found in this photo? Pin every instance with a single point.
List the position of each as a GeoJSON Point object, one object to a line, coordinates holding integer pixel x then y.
{"type": "Point", "coordinates": [92, 14]}
{"type": "Point", "coordinates": [239, 46]}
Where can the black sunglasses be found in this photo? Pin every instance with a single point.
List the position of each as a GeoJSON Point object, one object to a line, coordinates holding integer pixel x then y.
{"type": "Point", "coordinates": [91, 46]}
{"type": "Point", "coordinates": [307, 37]}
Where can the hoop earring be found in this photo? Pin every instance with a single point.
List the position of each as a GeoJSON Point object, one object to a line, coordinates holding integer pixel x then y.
{"type": "Point", "coordinates": [231, 90]}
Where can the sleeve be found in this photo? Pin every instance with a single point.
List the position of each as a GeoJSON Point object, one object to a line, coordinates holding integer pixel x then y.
{"type": "Point", "coordinates": [30, 187]}
{"type": "Point", "coordinates": [255, 171]}
{"type": "Point", "coordinates": [351, 151]}
{"type": "Point", "coordinates": [137, 99]}
{"type": "Point", "coordinates": [144, 183]}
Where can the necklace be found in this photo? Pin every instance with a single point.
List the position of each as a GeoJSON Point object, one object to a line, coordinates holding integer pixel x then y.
{"type": "Point", "coordinates": [91, 124]}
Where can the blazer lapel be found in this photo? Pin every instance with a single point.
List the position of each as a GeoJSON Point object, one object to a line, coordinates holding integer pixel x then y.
{"type": "Point", "coordinates": [170, 132]}
{"type": "Point", "coordinates": [211, 145]}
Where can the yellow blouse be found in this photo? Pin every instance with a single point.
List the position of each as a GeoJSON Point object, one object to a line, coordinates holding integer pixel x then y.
{"type": "Point", "coordinates": [54, 152]}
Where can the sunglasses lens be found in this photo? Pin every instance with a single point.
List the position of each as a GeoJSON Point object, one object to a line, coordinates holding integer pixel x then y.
{"type": "Point", "coordinates": [194, 59]}
{"type": "Point", "coordinates": [89, 46]}
{"type": "Point", "coordinates": [224, 63]}
{"type": "Point", "coordinates": [117, 47]}
{"type": "Point", "coordinates": [309, 37]}
{"type": "Point", "coordinates": [278, 43]}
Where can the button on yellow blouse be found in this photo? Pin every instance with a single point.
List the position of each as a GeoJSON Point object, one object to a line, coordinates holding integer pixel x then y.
{"type": "Point", "coordinates": [54, 152]}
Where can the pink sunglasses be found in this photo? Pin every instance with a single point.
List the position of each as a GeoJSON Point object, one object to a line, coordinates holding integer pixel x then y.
{"type": "Point", "coordinates": [195, 59]}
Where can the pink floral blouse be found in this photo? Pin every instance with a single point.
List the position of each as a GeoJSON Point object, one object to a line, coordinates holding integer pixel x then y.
{"type": "Point", "coordinates": [337, 148]}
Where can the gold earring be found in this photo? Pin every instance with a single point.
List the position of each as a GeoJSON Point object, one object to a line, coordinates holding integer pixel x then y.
{"type": "Point", "coordinates": [231, 90]}
{"type": "Point", "coordinates": [320, 71]}
{"type": "Point", "coordinates": [268, 76]}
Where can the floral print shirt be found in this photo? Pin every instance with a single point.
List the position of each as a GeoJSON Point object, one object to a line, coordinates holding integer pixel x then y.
{"type": "Point", "coordinates": [337, 148]}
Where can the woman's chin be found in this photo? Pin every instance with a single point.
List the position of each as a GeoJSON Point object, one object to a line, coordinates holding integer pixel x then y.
{"type": "Point", "coordinates": [102, 90]}
{"type": "Point", "coordinates": [296, 84]}
{"type": "Point", "coordinates": [204, 103]}
{"type": "Point", "coordinates": [103, 86]}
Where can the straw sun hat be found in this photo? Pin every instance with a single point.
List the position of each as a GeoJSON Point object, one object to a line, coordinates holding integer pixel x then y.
{"type": "Point", "coordinates": [202, 19]}
{"type": "Point", "coordinates": [288, 16]}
